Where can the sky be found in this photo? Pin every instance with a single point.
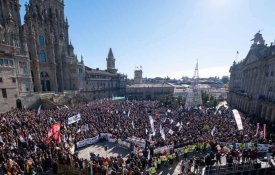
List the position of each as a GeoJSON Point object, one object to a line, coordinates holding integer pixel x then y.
{"type": "Point", "coordinates": [166, 37]}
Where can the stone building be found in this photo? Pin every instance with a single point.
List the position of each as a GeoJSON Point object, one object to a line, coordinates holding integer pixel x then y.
{"type": "Point", "coordinates": [104, 83]}
{"type": "Point", "coordinates": [15, 75]}
{"type": "Point", "coordinates": [149, 91]}
{"type": "Point", "coordinates": [252, 81]}
{"type": "Point", "coordinates": [138, 76]}
{"type": "Point", "coordinates": [54, 66]}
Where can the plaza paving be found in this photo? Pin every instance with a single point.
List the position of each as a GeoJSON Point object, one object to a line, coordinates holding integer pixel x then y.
{"type": "Point", "coordinates": [114, 150]}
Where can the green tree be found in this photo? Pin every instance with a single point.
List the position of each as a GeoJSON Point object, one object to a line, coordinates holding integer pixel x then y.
{"type": "Point", "coordinates": [225, 79]}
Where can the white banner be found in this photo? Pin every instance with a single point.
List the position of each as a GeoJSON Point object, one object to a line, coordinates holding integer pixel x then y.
{"type": "Point", "coordinates": [238, 119]}
{"type": "Point", "coordinates": [260, 147]}
{"type": "Point", "coordinates": [137, 141]}
{"type": "Point", "coordinates": [87, 141]}
{"type": "Point", "coordinates": [124, 144]}
{"type": "Point", "coordinates": [163, 149]}
{"type": "Point", "coordinates": [74, 119]}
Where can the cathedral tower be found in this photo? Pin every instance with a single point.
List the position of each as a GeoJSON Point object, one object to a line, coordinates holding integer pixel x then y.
{"type": "Point", "coordinates": [111, 67]}
{"type": "Point", "coordinates": [53, 62]}
{"type": "Point", "coordinates": [15, 77]}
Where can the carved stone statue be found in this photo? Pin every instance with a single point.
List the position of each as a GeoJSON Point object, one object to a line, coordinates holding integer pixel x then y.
{"type": "Point", "coordinates": [258, 39]}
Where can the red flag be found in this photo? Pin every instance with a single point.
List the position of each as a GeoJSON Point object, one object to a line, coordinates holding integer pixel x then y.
{"type": "Point", "coordinates": [265, 131]}
{"type": "Point", "coordinates": [21, 137]}
{"type": "Point", "coordinates": [55, 132]}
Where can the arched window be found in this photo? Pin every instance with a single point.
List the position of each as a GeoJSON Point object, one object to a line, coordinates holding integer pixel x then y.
{"type": "Point", "coordinates": [45, 81]}
{"type": "Point", "coordinates": [42, 56]}
{"type": "Point", "coordinates": [41, 40]}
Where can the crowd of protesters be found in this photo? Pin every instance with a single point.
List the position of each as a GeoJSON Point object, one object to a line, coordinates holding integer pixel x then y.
{"type": "Point", "coordinates": [24, 148]}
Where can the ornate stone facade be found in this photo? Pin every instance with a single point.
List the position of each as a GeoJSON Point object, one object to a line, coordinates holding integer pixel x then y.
{"type": "Point", "coordinates": [252, 81]}
{"type": "Point", "coordinates": [53, 63]}
{"type": "Point", "coordinates": [15, 74]}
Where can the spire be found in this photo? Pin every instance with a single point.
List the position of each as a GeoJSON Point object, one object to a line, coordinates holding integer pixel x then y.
{"type": "Point", "coordinates": [110, 54]}
{"type": "Point", "coordinates": [82, 61]}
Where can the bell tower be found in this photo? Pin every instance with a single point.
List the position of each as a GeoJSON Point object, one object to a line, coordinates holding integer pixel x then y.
{"type": "Point", "coordinates": [111, 67]}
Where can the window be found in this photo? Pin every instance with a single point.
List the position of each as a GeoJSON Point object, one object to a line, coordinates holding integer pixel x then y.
{"type": "Point", "coordinates": [272, 73]}
{"type": "Point", "coordinates": [13, 80]}
{"type": "Point", "coordinates": [266, 74]}
{"type": "Point", "coordinates": [6, 62]}
{"type": "Point", "coordinates": [41, 40]}
{"type": "Point", "coordinates": [4, 93]}
{"type": "Point", "coordinates": [42, 56]}
{"type": "Point", "coordinates": [11, 62]}
{"type": "Point", "coordinates": [1, 80]}
{"type": "Point", "coordinates": [1, 62]}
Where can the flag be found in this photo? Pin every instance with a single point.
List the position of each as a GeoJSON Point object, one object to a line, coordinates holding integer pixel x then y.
{"type": "Point", "coordinates": [237, 52]}
{"type": "Point", "coordinates": [146, 130]}
{"type": "Point", "coordinates": [152, 124]}
{"type": "Point", "coordinates": [265, 131]}
{"type": "Point", "coordinates": [162, 132]}
{"type": "Point", "coordinates": [170, 131]}
{"type": "Point", "coordinates": [55, 132]}
{"type": "Point", "coordinates": [171, 121]}
{"type": "Point", "coordinates": [180, 126]}
{"type": "Point", "coordinates": [39, 110]}
{"type": "Point", "coordinates": [30, 137]}
{"type": "Point", "coordinates": [213, 130]}
{"type": "Point", "coordinates": [257, 130]}
{"type": "Point", "coordinates": [21, 138]}
{"type": "Point", "coordinates": [133, 125]}
{"type": "Point", "coordinates": [129, 113]}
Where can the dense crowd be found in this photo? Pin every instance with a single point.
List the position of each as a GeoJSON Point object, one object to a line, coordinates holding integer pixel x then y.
{"type": "Point", "coordinates": [23, 133]}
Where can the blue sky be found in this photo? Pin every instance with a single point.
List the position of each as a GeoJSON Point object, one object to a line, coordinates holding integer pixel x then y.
{"type": "Point", "coordinates": [167, 36]}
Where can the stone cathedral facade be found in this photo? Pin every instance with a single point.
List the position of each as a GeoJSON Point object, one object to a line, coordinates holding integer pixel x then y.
{"type": "Point", "coordinates": [53, 62]}
{"type": "Point", "coordinates": [15, 73]}
{"type": "Point", "coordinates": [38, 56]}
{"type": "Point", "coordinates": [252, 80]}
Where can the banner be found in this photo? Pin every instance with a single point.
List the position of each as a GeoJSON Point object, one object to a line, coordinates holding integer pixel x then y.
{"type": "Point", "coordinates": [87, 141]}
{"type": "Point", "coordinates": [166, 149]}
{"type": "Point", "coordinates": [260, 147]}
{"type": "Point", "coordinates": [124, 144]}
{"type": "Point", "coordinates": [74, 119]}
{"type": "Point", "coordinates": [137, 141]}
{"type": "Point", "coordinates": [238, 119]}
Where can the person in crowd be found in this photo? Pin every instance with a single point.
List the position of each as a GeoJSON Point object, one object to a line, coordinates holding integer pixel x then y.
{"type": "Point", "coordinates": [26, 149]}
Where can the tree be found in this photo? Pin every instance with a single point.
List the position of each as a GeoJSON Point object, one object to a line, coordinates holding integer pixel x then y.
{"type": "Point", "coordinates": [225, 79]}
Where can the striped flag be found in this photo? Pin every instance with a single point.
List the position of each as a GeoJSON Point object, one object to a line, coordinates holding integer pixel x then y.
{"type": "Point", "coordinates": [39, 110]}
{"type": "Point", "coordinates": [257, 130]}
{"type": "Point", "coordinates": [21, 138]}
{"type": "Point", "coordinates": [213, 131]}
